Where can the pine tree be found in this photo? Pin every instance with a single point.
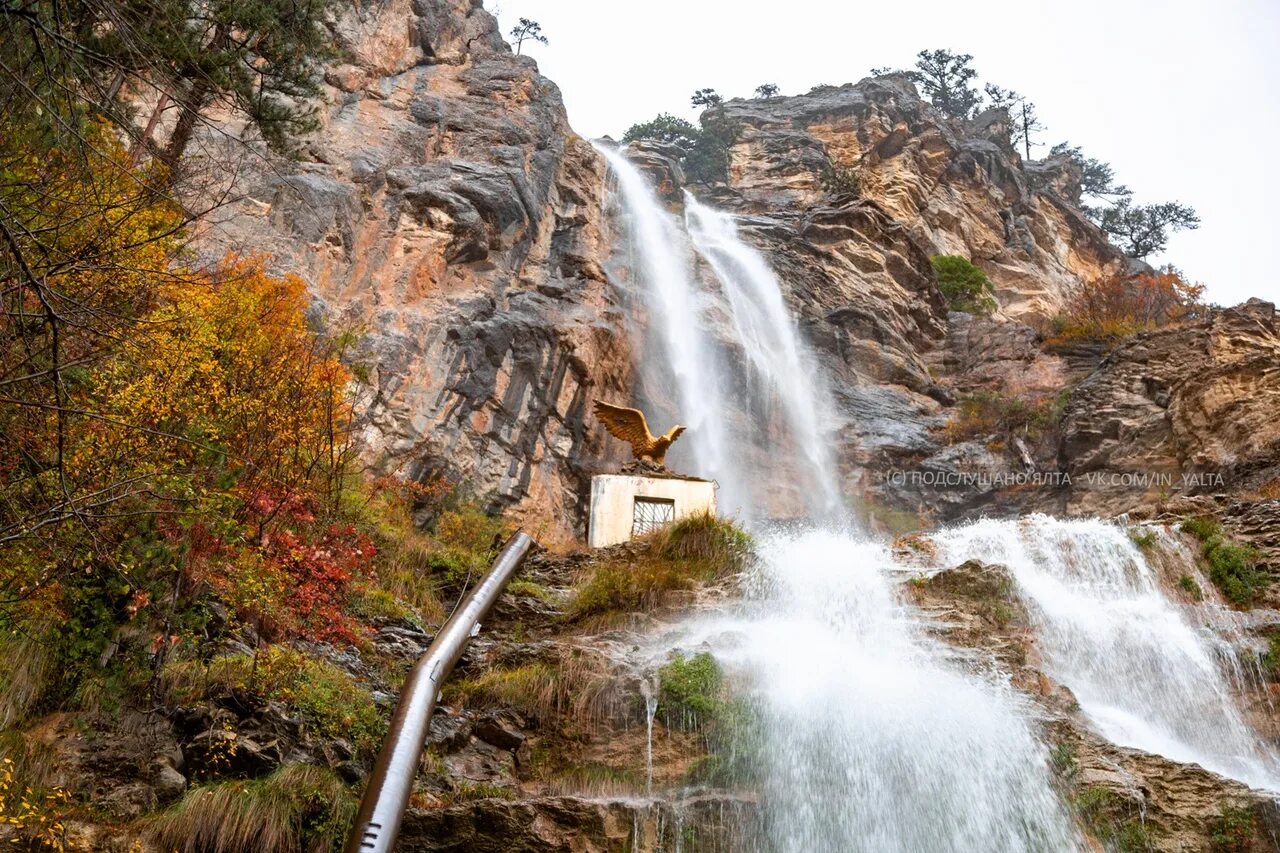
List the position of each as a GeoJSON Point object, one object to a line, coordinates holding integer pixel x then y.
{"type": "Point", "coordinates": [946, 79]}
{"type": "Point", "coordinates": [527, 30]}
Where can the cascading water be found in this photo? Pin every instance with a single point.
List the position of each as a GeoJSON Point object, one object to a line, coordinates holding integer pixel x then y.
{"type": "Point", "coordinates": [768, 335]}
{"type": "Point", "coordinates": [777, 374]}
{"type": "Point", "coordinates": [1145, 674]}
{"type": "Point", "coordinates": [872, 741]}
{"type": "Point", "coordinates": [663, 265]}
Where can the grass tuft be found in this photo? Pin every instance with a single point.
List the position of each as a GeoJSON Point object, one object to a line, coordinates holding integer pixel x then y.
{"type": "Point", "coordinates": [695, 550]}
{"type": "Point", "coordinates": [1232, 568]}
{"type": "Point", "coordinates": [1109, 818]}
{"type": "Point", "coordinates": [23, 679]}
{"type": "Point", "coordinates": [332, 702]}
{"type": "Point", "coordinates": [297, 808]}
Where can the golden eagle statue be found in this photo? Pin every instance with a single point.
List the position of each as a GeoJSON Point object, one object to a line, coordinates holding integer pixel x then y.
{"type": "Point", "coordinates": [630, 426]}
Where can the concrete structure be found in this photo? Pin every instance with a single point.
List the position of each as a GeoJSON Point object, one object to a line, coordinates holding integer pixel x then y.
{"type": "Point", "coordinates": [624, 506]}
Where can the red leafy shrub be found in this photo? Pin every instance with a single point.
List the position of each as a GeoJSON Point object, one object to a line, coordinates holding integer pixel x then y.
{"type": "Point", "coordinates": [318, 574]}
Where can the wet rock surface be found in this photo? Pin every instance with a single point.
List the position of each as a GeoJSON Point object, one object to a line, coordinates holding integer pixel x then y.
{"type": "Point", "coordinates": [447, 214]}
{"type": "Point", "coordinates": [1116, 792]}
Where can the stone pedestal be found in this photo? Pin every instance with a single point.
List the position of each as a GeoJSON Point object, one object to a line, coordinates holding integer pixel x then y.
{"type": "Point", "coordinates": [625, 505]}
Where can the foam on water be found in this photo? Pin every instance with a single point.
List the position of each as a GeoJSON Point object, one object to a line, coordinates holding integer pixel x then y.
{"type": "Point", "coordinates": [1146, 675]}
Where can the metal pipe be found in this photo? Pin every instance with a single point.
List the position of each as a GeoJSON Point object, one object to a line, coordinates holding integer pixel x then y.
{"type": "Point", "coordinates": [387, 794]}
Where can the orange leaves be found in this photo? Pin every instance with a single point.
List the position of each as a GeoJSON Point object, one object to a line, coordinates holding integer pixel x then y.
{"type": "Point", "coordinates": [1115, 308]}
{"type": "Point", "coordinates": [231, 375]}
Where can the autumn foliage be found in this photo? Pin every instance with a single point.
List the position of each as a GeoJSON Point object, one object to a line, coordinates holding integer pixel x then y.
{"type": "Point", "coordinates": [1112, 309]}
{"type": "Point", "coordinates": [172, 437]}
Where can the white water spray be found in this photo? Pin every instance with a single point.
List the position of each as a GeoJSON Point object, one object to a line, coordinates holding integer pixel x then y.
{"type": "Point", "coordinates": [663, 266]}
{"type": "Point", "coordinates": [872, 741]}
{"type": "Point", "coordinates": [792, 455]}
{"type": "Point", "coordinates": [769, 338]}
{"type": "Point", "coordinates": [1145, 675]}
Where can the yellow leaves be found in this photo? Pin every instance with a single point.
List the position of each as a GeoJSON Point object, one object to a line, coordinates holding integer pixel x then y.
{"type": "Point", "coordinates": [35, 817]}
{"type": "Point", "coordinates": [226, 359]}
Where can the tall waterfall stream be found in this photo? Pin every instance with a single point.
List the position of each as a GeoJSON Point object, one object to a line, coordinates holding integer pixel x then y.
{"type": "Point", "coordinates": [875, 737]}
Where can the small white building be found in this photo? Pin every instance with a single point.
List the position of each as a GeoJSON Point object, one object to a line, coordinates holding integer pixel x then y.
{"type": "Point", "coordinates": [624, 506]}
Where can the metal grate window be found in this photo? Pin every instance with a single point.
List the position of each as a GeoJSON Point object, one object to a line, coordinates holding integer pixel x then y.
{"type": "Point", "coordinates": [651, 513]}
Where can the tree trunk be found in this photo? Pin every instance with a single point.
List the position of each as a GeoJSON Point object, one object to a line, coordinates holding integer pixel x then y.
{"type": "Point", "coordinates": [195, 101]}
{"type": "Point", "coordinates": [141, 145]}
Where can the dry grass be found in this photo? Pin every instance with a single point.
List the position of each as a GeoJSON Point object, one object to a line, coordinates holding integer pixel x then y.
{"type": "Point", "coordinates": [24, 677]}
{"type": "Point", "coordinates": [297, 808]}
{"type": "Point", "coordinates": [1268, 491]}
{"type": "Point", "coordinates": [988, 413]}
{"type": "Point", "coordinates": [404, 571]}
{"type": "Point", "coordinates": [695, 550]}
{"type": "Point", "coordinates": [575, 683]}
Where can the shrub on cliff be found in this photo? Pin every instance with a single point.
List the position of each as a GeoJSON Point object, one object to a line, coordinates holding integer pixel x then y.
{"type": "Point", "coordinates": [1232, 568]}
{"type": "Point", "coordinates": [1112, 309]}
{"type": "Point", "coordinates": [664, 128]}
{"type": "Point", "coordinates": [965, 287]}
{"type": "Point", "coordinates": [705, 149]}
{"type": "Point", "coordinates": [990, 413]}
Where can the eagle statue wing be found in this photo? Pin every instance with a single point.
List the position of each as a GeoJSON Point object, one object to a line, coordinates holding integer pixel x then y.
{"type": "Point", "coordinates": [626, 424]}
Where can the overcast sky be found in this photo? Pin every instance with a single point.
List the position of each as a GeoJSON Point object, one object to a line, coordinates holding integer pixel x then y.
{"type": "Point", "coordinates": [1180, 96]}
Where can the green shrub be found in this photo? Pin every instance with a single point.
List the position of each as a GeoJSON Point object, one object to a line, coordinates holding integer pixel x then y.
{"type": "Point", "coordinates": [965, 287]}
{"type": "Point", "coordinates": [1143, 538]}
{"type": "Point", "coordinates": [665, 128]}
{"type": "Point", "coordinates": [1232, 568]}
{"type": "Point", "coordinates": [1188, 585]}
{"type": "Point", "coordinates": [326, 697]}
{"type": "Point", "coordinates": [296, 808]}
{"type": "Point", "coordinates": [1271, 658]}
{"type": "Point", "coordinates": [838, 180]}
{"type": "Point", "coordinates": [1063, 758]}
{"type": "Point", "coordinates": [1233, 831]}
{"type": "Point", "coordinates": [1110, 819]}
{"type": "Point", "coordinates": [690, 691]}
{"type": "Point", "coordinates": [1203, 528]}
{"type": "Point", "coordinates": [705, 149]}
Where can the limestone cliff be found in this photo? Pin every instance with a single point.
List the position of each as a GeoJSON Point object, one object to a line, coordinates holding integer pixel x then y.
{"type": "Point", "coordinates": [955, 187]}
{"type": "Point", "coordinates": [447, 214]}
{"type": "Point", "coordinates": [1197, 404]}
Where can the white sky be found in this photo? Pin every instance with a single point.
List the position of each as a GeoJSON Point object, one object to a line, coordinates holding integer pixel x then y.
{"type": "Point", "coordinates": [1178, 95]}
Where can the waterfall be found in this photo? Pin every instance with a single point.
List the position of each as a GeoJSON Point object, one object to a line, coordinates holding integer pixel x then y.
{"type": "Point", "coordinates": [777, 372]}
{"type": "Point", "coordinates": [872, 740]}
{"type": "Point", "coordinates": [662, 263]}
{"type": "Point", "coordinates": [768, 335]}
{"type": "Point", "coordinates": [1145, 674]}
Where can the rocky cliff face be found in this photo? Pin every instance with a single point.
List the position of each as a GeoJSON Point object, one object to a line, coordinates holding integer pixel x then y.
{"type": "Point", "coordinates": [448, 215]}
{"type": "Point", "coordinates": [1196, 405]}
{"type": "Point", "coordinates": [956, 188]}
